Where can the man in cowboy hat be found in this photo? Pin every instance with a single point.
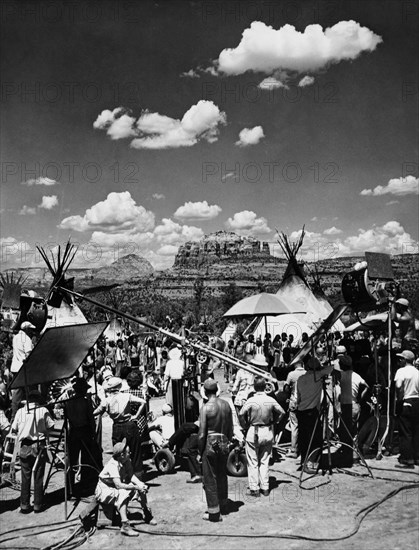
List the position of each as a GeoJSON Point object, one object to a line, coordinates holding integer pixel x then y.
{"type": "Point", "coordinates": [407, 406]}
{"type": "Point", "coordinates": [118, 485]}
{"type": "Point", "coordinates": [32, 424]}
{"type": "Point", "coordinates": [215, 433]}
{"type": "Point", "coordinates": [118, 406]}
{"type": "Point", "coordinates": [260, 413]}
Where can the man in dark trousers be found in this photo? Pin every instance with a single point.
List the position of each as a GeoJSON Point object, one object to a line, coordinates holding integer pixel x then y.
{"type": "Point", "coordinates": [407, 407]}
{"type": "Point", "coordinates": [215, 433]}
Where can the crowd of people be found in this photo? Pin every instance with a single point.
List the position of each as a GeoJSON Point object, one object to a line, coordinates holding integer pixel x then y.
{"type": "Point", "coordinates": [334, 389]}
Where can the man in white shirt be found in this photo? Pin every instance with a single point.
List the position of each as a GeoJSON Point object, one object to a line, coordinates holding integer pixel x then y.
{"type": "Point", "coordinates": [290, 389]}
{"type": "Point", "coordinates": [259, 414]}
{"type": "Point", "coordinates": [162, 429]}
{"type": "Point", "coordinates": [32, 424]}
{"type": "Point", "coordinates": [407, 395]}
{"type": "Point", "coordinates": [22, 347]}
{"type": "Point", "coordinates": [175, 367]}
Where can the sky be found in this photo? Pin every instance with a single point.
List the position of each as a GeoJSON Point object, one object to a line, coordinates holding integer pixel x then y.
{"type": "Point", "coordinates": [134, 127]}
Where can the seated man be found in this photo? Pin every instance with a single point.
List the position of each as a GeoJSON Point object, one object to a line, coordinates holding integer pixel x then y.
{"type": "Point", "coordinates": [185, 439]}
{"type": "Point", "coordinates": [162, 429]}
{"type": "Point", "coordinates": [118, 485]}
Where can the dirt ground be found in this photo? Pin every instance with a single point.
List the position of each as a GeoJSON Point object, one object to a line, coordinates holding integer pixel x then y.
{"type": "Point", "coordinates": [326, 511]}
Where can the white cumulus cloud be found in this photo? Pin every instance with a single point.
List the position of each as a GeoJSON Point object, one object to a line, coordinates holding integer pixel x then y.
{"type": "Point", "coordinates": [306, 81]}
{"type": "Point", "coordinates": [263, 49]}
{"type": "Point", "coordinates": [156, 131]}
{"type": "Point", "coordinates": [117, 212]}
{"type": "Point", "coordinates": [172, 233]}
{"type": "Point", "coordinates": [117, 123]}
{"type": "Point", "coordinates": [27, 211]}
{"type": "Point", "coordinates": [158, 196]}
{"type": "Point", "coordinates": [40, 181]}
{"type": "Point", "coordinates": [247, 223]}
{"type": "Point", "coordinates": [332, 231]}
{"type": "Point", "coordinates": [48, 202]}
{"type": "Point", "coordinates": [250, 136]}
{"type": "Point", "coordinates": [396, 186]}
{"type": "Point", "coordinates": [197, 211]}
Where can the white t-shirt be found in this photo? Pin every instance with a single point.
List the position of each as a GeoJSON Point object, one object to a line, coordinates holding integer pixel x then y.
{"type": "Point", "coordinates": [174, 369]}
{"type": "Point", "coordinates": [22, 346]}
{"type": "Point", "coordinates": [357, 381]}
{"type": "Point", "coordinates": [407, 378]}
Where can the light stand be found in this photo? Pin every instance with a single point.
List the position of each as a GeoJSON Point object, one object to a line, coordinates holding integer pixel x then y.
{"type": "Point", "coordinates": [323, 418]}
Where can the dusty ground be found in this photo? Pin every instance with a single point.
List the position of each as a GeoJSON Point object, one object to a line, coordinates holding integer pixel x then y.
{"type": "Point", "coordinates": [322, 513]}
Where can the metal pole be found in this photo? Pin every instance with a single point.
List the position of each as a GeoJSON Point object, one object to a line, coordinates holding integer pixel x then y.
{"type": "Point", "coordinates": [177, 338]}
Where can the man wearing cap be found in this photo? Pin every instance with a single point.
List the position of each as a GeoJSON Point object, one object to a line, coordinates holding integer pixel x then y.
{"type": "Point", "coordinates": [407, 406]}
{"type": "Point", "coordinates": [118, 406]}
{"type": "Point", "coordinates": [215, 433]}
{"type": "Point", "coordinates": [32, 424]}
{"type": "Point", "coordinates": [22, 347]}
{"type": "Point", "coordinates": [260, 413]}
{"type": "Point", "coordinates": [401, 313]}
{"type": "Point", "coordinates": [118, 485]}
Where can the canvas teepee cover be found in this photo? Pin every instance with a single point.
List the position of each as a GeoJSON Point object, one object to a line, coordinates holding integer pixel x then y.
{"type": "Point", "coordinates": [69, 312]}
{"type": "Point", "coordinates": [295, 287]}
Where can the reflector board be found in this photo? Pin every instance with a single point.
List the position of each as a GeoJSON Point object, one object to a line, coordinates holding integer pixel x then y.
{"type": "Point", "coordinates": [58, 354]}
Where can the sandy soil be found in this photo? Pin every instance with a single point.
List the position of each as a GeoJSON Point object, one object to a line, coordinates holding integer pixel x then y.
{"type": "Point", "coordinates": [325, 512]}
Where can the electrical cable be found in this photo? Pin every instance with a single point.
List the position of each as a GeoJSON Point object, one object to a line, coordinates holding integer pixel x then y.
{"type": "Point", "coordinates": [359, 518]}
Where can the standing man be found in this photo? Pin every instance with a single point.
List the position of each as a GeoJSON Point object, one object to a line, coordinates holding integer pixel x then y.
{"type": "Point", "coordinates": [118, 406]}
{"type": "Point", "coordinates": [32, 424]}
{"type": "Point", "coordinates": [215, 433]}
{"type": "Point", "coordinates": [309, 393]}
{"type": "Point", "coordinates": [290, 390]}
{"type": "Point", "coordinates": [22, 347]}
{"type": "Point", "coordinates": [402, 314]}
{"type": "Point", "coordinates": [260, 413]}
{"type": "Point", "coordinates": [407, 406]}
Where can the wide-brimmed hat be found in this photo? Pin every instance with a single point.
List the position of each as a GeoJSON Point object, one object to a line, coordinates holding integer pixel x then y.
{"type": "Point", "coordinates": [113, 383]}
{"type": "Point", "coordinates": [26, 324]}
{"type": "Point", "coordinates": [407, 354]}
{"type": "Point", "coordinates": [259, 360]}
{"type": "Point", "coordinates": [403, 302]}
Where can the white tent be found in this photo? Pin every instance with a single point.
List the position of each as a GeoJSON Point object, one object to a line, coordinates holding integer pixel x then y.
{"type": "Point", "coordinates": [295, 287]}
{"type": "Point", "coordinates": [69, 312]}
{"type": "Point", "coordinates": [64, 315]}
{"type": "Point", "coordinates": [229, 332]}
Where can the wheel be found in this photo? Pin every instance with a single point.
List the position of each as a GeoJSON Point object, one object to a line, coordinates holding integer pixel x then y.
{"type": "Point", "coordinates": [165, 461]}
{"type": "Point", "coordinates": [237, 464]}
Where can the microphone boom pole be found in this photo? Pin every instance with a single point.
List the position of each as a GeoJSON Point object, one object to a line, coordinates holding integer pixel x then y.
{"type": "Point", "coordinates": [179, 339]}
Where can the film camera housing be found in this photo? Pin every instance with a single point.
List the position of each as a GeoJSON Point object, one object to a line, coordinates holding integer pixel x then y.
{"type": "Point", "coordinates": [370, 286]}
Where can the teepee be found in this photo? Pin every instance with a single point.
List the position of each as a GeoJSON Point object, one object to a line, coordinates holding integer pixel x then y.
{"type": "Point", "coordinates": [68, 312]}
{"type": "Point", "coordinates": [295, 287]}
